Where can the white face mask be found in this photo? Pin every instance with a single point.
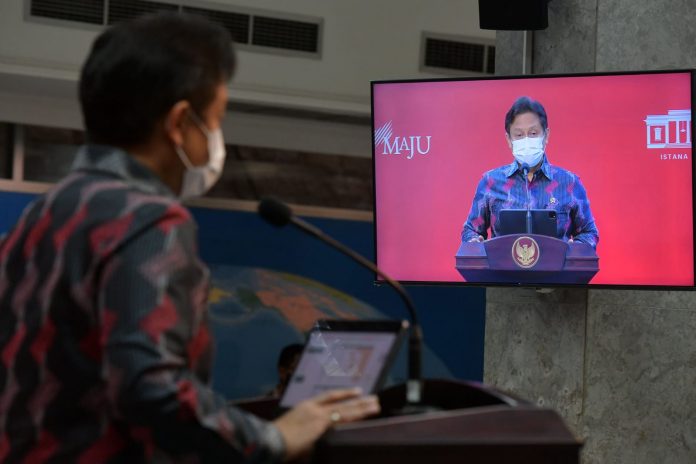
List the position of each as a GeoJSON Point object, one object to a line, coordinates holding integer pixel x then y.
{"type": "Point", "coordinates": [199, 179]}
{"type": "Point", "coordinates": [528, 151]}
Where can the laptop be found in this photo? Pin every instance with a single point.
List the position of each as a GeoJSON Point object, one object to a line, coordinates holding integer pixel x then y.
{"type": "Point", "coordinates": [514, 221]}
{"type": "Point", "coordinates": [345, 354]}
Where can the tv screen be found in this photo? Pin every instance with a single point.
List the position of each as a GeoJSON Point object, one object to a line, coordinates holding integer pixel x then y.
{"type": "Point", "coordinates": [607, 156]}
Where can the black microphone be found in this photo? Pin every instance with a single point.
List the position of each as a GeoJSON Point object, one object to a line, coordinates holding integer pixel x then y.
{"type": "Point", "coordinates": [525, 169]}
{"type": "Point", "coordinates": [279, 214]}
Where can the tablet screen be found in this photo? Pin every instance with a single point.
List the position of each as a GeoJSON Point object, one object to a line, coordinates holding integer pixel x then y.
{"type": "Point", "coordinates": [340, 359]}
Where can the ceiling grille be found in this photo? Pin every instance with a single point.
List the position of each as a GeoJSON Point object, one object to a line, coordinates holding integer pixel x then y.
{"type": "Point", "coordinates": [454, 55]}
{"type": "Point", "coordinates": [266, 30]}
{"type": "Point", "coordinates": [236, 23]}
{"type": "Point", "coordinates": [84, 11]}
{"type": "Point", "coordinates": [284, 33]}
{"type": "Point", "coordinates": [6, 145]}
{"type": "Point", "coordinates": [490, 63]}
{"type": "Point", "coordinates": [123, 10]}
{"type": "Point", "coordinates": [458, 55]}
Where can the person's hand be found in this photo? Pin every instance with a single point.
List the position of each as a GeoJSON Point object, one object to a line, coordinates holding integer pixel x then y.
{"type": "Point", "coordinates": [478, 239]}
{"type": "Point", "coordinates": [306, 422]}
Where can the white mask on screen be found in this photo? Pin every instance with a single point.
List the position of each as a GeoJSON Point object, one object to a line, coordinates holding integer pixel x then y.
{"type": "Point", "coordinates": [199, 179]}
{"type": "Point", "coordinates": [528, 151]}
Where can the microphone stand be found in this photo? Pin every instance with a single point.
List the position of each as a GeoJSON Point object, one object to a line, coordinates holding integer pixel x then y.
{"type": "Point", "coordinates": [414, 385]}
{"type": "Point", "coordinates": [529, 211]}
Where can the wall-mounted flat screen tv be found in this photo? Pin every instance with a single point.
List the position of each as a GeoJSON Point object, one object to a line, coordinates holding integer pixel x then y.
{"type": "Point", "coordinates": [557, 180]}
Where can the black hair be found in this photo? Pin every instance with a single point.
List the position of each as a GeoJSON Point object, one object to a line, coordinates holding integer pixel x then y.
{"type": "Point", "coordinates": [526, 105]}
{"type": "Point", "coordinates": [288, 354]}
{"type": "Point", "coordinates": [137, 70]}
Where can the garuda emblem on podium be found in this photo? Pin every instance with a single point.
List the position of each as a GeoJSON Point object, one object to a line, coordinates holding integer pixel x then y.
{"type": "Point", "coordinates": [525, 252]}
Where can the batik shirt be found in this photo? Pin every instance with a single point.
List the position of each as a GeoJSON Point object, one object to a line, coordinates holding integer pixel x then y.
{"type": "Point", "coordinates": [551, 188]}
{"type": "Point", "coordinates": [105, 350]}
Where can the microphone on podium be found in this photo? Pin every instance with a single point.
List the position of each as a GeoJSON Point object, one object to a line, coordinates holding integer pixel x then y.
{"type": "Point", "coordinates": [528, 227]}
{"type": "Point", "coordinates": [279, 214]}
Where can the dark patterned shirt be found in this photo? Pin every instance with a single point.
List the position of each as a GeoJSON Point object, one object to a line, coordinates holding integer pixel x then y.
{"type": "Point", "coordinates": [551, 188]}
{"type": "Point", "coordinates": [105, 350]}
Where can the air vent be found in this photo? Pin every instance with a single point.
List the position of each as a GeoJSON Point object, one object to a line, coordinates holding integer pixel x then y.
{"type": "Point", "coordinates": [6, 145]}
{"type": "Point", "coordinates": [257, 31]}
{"type": "Point", "coordinates": [286, 34]}
{"type": "Point", "coordinates": [457, 55]}
{"type": "Point", "coordinates": [84, 11]}
{"type": "Point", "coordinates": [123, 10]}
{"type": "Point", "coordinates": [490, 64]}
{"type": "Point", "coordinates": [236, 23]}
{"type": "Point", "coordinates": [454, 55]}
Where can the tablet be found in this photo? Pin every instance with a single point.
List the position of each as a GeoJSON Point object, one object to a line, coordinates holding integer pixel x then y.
{"type": "Point", "coordinates": [345, 354]}
{"type": "Point", "coordinates": [514, 221]}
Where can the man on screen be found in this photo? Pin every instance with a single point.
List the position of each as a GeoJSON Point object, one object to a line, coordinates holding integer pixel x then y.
{"type": "Point", "coordinates": [550, 187]}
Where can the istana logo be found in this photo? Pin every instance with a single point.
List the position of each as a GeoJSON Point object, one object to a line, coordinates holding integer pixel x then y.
{"type": "Point", "coordinates": [397, 145]}
{"type": "Point", "coordinates": [671, 130]}
{"type": "Point", "coordinates": [525, 252]}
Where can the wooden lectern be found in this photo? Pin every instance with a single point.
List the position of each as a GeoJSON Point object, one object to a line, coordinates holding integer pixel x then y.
{"type": "Point", "coordinates": [526, 259]}
{"type": "Point", "coordinates": [461, 422]}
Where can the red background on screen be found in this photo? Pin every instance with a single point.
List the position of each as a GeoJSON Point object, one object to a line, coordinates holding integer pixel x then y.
{"type": "Point", "coordinates": [642, 203]}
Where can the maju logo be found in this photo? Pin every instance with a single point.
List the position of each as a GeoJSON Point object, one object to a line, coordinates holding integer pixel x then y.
{"type": "Point", "coordinates": [407, 145]}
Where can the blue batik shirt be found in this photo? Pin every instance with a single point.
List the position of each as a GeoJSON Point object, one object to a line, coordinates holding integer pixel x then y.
{"type": "Point", "coordinates": [551, 188]}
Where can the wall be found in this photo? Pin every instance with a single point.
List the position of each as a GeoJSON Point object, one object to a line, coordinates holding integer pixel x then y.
{"type": "Point", "coordinates": [619, 365]}
{"type": "Point", "coordinates": [362, 41]}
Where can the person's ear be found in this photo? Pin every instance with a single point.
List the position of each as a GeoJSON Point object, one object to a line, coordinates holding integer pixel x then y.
{"type": "Point", "coordinates": [546, 136]}
{"type": "Point", "coordinates": [509, 140]}
{"type": "Point", "coordinates": [175, 122]}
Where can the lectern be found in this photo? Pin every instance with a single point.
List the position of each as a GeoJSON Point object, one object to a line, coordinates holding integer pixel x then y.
{"type": "Point", "coordinates": [461, 422]}
{"type": "Point", "coordinates": [526, 259]}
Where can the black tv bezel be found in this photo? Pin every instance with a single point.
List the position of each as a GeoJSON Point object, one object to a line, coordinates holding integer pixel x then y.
{"type": "Point", "coordinates": [588, 285]}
